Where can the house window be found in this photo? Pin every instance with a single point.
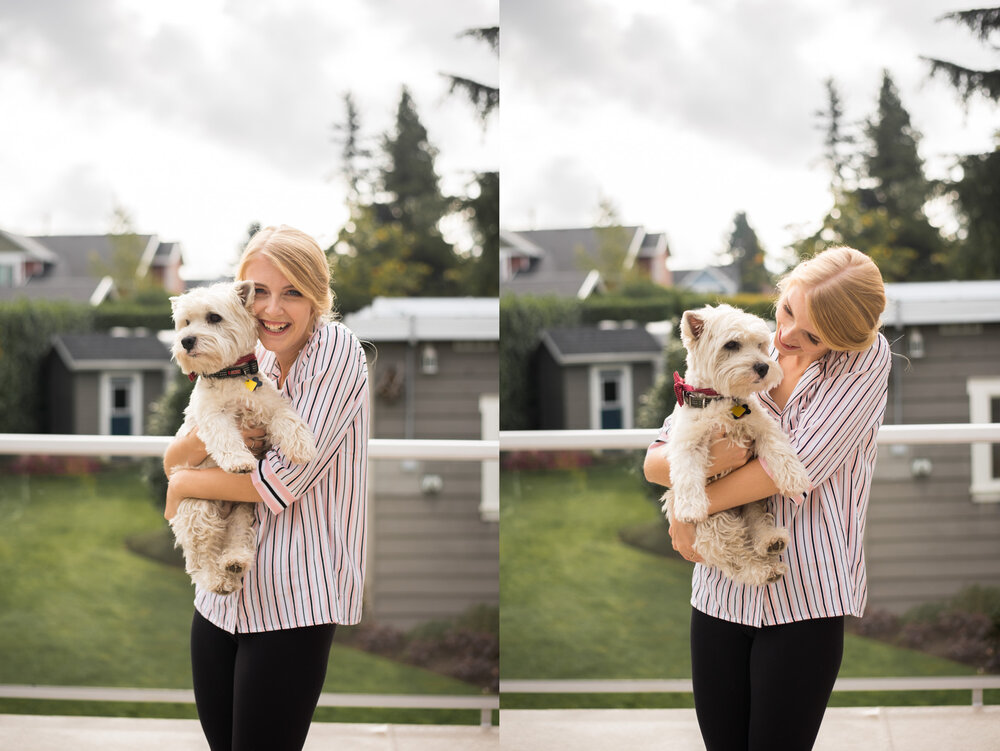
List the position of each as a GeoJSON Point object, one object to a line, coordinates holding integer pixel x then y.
{"type": "Point", "coordinates": [611, 397]}
{"type": "Point", "coordinates": [984, 407]}
{"type": "Point", "coordinates": [489, 418]}
{"type": "Point", "coordinates": [120, 404]}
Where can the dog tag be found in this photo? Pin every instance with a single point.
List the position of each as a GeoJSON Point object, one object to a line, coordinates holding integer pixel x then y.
{"type": "Point", "coordinates": [739, 410]}
{"type": "Point", "coordinates": [252, 383]}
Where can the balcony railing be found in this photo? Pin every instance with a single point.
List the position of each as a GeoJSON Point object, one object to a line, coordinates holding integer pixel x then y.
{"type": "Point", "coordinates": [580, 440]}
{"type": "Point", "coordinates": [153, 446]}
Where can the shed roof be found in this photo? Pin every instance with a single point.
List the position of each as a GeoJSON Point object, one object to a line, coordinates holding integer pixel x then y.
{"type": "Point", "coordinates": [915, 303]}
{"type": "Point", "coordinates": [590, 344]}
{"type": "Point", "coordinates": [425, 319]}
{"type": "Point", "coordinates": [106, 352]}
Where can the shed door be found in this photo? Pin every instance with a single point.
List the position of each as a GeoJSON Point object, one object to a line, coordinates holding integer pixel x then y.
{"type": "Point", "coordinates": [121, 400]}
{"type": "Point", "coordinates": [611, 386]}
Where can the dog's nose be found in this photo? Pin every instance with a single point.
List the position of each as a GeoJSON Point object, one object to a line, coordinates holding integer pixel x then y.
{"type": "Point", "coordinates": [761, 369]}
{"type": "Point", "coordinates": [188, 342]}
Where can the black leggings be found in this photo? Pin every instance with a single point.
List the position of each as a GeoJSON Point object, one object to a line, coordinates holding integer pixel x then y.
{"type": "Point", "coordinates": [763, 688]}
{"type": "Point", "coordinates": [258, 691]}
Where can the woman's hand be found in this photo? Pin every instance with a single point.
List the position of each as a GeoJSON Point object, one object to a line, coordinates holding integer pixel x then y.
{"type": "Point", "coordinates": [174, 495]}
{"type": "Point", "coordinates": [682, 539]}
{"type": "Point", "coordinates": [255, 438]}
{"type": "Point", "coordinates": [725, 456]}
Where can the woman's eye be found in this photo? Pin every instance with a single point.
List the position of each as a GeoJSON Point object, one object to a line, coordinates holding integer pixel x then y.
{"type": "Point", "coordinates": [813, 339]}
{"type": "Point", "coordinates": [294, 293]}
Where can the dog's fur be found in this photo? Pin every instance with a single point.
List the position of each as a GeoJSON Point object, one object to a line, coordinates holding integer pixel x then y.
{"type": "Point", "coordinates": [215, 327]}
{"type": "Point", "coordinates": [727, 351]}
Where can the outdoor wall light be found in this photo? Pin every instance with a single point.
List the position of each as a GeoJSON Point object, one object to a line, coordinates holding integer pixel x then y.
{"type": "Point", "coordinates": [431, 484]}
{"type": "Point", "coordinates": [921, 467]}
{"type": "Point", "coordinates": [429, 360]}
{"type": "Point", "coordinates": [915, 343]}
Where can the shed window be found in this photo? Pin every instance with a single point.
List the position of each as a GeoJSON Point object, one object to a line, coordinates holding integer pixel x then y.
{"type": "Point", "coordinates": [984, 407]}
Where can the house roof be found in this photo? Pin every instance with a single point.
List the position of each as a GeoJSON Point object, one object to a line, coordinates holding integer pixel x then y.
{"type": "Point", "coordinates": [915, 303]}
{"type": "Point", "coordinates": [556, 267]}
{"type": "Point", "coordinates": [424, 319]}
{"type": "Point", "coordinates": [106, 352]}
{"type": "Point", "coordinates": [10, 242]}
{"type": "Point", "coordinates": [590, 344]}
{"type": "Point", "coordinates": [721, 279]}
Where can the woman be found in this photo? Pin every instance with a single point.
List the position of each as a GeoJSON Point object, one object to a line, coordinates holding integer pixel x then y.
{"type": "Point", "coordinates": [259, 656]}
{"type": "Point", "coordinates": [764, 659]}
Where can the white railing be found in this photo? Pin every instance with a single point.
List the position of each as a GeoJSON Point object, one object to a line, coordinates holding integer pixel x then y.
{"type": "Point", "coordinates": [581, 440]}
{"type": "Point", "coordinates": [146, 445]}
{"type": "Point", "coordinates": [152, 446]}
{"type": "Point", "coordinates": [557, 440]}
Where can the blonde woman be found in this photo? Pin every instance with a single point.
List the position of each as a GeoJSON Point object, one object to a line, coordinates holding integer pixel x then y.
{"type": "Point", "coordinates": [764, 659]}
{"type": "Point", "coordinates": [259, 656]}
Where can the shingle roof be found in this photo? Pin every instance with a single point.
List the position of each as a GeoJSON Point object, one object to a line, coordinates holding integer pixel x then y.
{"type": "Point", "coordinates": [588, 344]}
{"type": "Point", "coordinates": [101, 351]}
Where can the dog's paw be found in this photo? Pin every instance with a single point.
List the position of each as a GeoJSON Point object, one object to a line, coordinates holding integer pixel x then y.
{"type": "Point", "coordinates": [237, 463]}
{"type": "Point", "coordinates": [772, 543]}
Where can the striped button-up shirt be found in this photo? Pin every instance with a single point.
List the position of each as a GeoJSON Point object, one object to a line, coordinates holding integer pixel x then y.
{"type": "Point", "coordinates": [832, 420]}
{"type": "Point", "coordinates": [310, 560]}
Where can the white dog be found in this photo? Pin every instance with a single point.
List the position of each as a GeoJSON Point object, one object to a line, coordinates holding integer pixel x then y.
{"type": "Point", "coordinates": [727, 365]}
{"type": "Point", "coordinates": [214, 344]}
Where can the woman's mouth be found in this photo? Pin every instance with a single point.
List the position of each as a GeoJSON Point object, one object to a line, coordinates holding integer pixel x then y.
{"type": "Point", "coordinates": [274, 327]}
{"type": "Point", "coordinates": [783, 343]}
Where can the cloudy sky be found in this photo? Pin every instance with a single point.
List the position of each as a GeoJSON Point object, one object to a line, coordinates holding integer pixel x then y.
{"type": "Point", "coordinates": [683, 113]}
{"type": "Point", "coordinates": [199, 117]}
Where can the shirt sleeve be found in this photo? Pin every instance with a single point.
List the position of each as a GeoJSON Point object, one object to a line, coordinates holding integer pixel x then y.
{"type": "Point", "coordinates": [663, 436]}
{"type": "Point", "coordinates": [849, 404]}
{"type": "Point", "coordinates": [332, 398]}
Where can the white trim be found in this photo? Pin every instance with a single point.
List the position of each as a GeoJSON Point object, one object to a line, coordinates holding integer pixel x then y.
{"type": "Point", "coordinates": [104, 396]}
{"type": "Point", "coordinates": [589, 284]}
{"type": "Point", "coordinates": [985, 486]}
{"type": "Point", "coordinates": [489, 416]}
{"type": "Point", "coordinates": [102, 290]}
{"type": "Point", "coordinates": [625, 395]}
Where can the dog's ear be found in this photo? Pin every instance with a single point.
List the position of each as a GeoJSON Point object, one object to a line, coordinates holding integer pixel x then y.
{"type": "Point", "coordinates": [692, 325]}
{"type": "Point", "coordinates": [244, 290]}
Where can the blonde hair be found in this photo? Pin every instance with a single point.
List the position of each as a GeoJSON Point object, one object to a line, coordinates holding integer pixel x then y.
{"type": "Point", "coordinates": [299, 259]}
{"type": "Point", "coordinates": [844, 296]}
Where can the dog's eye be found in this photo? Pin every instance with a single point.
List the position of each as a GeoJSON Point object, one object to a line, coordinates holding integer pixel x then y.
{"type": "Point", "coordinates": [214, 318]}
{"type": "Point", "coordinates": [732, 346]}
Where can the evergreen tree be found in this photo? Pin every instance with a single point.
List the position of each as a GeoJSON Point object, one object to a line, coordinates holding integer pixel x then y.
{"type": "Point", "coordinates": [746, 253]}
{"type": "Point", "coordinates": [484, 97]}
{"type": "Point", "coordinates": [977, 193]}
{"type": "Point", "coordinates": [392, 245]}
{"type": "Point", "coordinates": [837, 141]}
{"type": "Point", "coordinates": [984, 22]}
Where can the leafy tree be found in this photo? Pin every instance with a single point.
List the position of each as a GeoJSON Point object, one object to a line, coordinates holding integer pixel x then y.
{"type": "Point", "coordinates": [746, 253]}
{"type": "Point", "coordinates": [984, 23]}
{"type": "Point", "coordinates": [122, 265]}
{"type": "Point", "coordinates": [611, 250]}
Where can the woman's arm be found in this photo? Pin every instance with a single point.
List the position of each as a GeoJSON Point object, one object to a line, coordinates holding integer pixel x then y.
{"type": "Point", "coordinates": [186, 450]}
{"type": "Point", "coordinates": [212, 484]}
{"type": "Point", "coordinates": [723, 457]}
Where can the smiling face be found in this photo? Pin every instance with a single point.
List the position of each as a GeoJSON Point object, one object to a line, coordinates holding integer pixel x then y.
{"type": "Point", "coordinates": [284, 316]}
{"type": "Point", "coordinates": [796, 335]}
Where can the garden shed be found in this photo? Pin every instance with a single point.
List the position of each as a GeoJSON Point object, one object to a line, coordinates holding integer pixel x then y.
{"type": "Point", "coordinates": [591, 377]}
{"type": "Point", "coordinates": [100, 384]}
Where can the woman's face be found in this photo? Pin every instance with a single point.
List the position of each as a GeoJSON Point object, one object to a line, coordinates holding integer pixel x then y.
{"type": "Point", "coordinates": [796, 336]}
{"type": "Point", "coordinates": [284, 316]}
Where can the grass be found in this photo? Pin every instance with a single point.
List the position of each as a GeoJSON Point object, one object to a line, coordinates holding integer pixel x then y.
{"type": "Point", "coordinates": [577, 602]}
{"type": "Point", "coordinates": [77, 607]}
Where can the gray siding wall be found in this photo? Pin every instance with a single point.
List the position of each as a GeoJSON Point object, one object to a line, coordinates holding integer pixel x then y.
{"type": "Point", "coordinates": [431, 555]}
{"type": "Point", "coordinates": [926, 538]}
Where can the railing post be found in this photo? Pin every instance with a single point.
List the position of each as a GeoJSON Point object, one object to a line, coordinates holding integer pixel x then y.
{"type": "Point", "coordinates": [977, 697]}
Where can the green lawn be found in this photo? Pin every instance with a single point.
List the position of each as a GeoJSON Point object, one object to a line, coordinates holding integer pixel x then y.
{"type": "Point", "coordinates": [78, 608]}
{"type": "Point", "coordinates": [576, 602]}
